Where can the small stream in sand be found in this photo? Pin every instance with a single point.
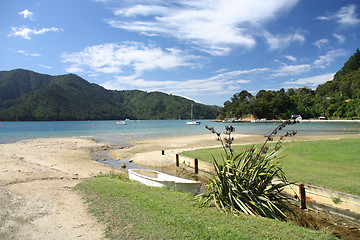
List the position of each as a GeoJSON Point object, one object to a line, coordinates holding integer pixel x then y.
{"type": "Point", "coordinates": [104, 157]}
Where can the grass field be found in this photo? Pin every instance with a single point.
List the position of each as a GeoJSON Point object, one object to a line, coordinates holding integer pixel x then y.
{"type": "Point", "coordinates": [327, 163]}
{"type": "Point", "coordinates": [131, 210]}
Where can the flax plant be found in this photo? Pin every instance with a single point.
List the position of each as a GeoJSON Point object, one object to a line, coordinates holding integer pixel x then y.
{"type": "Point", "coordinates": [250, 182]}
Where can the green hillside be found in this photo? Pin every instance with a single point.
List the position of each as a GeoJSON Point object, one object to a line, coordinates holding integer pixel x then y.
{"type": "Point", "coordinates": [339, 98]}
{"type": "Point", "coordinates": [30, 96]}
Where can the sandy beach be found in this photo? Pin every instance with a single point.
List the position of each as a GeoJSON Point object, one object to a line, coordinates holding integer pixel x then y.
{"type": "Point", "coordinates": [37, 200]}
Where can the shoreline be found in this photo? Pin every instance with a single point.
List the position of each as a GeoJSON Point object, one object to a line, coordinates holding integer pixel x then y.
{"type": "Point", "coordinates": [37, 178]}
{"type": "Point", "coordinates": [147, 152]}
{"type": "Point", "coordinates": [300, 121]}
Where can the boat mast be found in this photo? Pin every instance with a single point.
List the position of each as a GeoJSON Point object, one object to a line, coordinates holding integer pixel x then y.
{"type": "Point", "coordinates": [192, 105]}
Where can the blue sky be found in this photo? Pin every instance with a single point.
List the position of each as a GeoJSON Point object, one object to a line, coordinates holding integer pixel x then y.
{"type": "Point", "coordinates": [202, 50]}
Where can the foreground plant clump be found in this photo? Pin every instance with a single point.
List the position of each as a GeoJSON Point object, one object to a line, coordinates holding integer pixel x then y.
{"type": "Point", "coordinates": [250, 182]}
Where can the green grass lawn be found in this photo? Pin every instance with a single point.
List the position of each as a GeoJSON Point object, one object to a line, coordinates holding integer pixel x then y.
{"type": "Point", "coordinates": [131, 210]}
{"type": "Point", "coordinates": [327, 163]}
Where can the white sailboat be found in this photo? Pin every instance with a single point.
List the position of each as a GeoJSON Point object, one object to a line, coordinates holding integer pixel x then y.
{"type": "Point", "coordinates": [192, 122]}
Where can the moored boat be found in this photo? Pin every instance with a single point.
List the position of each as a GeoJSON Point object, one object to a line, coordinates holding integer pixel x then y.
{"type": "Point", "coordinates": [158, 179]}
{"type": "Point", "coordinates": [193, 122]}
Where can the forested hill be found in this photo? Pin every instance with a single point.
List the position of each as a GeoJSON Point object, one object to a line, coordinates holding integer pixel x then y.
{"type": "Point", "coordinates": [30, 96]}
{"type": "Point", "coordinates": [339, 98]}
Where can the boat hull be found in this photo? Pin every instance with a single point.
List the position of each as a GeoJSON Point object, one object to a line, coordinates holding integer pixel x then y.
{"type": "Point", "coordinates": [159, 179]}
{"type": "Point", "coordinates": [193, 123]}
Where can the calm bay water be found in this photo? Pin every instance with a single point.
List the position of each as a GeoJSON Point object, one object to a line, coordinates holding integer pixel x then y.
{"type": "Point", "coordinates": [110, 132]}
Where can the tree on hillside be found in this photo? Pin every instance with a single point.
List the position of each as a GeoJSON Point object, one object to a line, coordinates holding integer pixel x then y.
{"type": "Point", "coordinates": [351, 65]}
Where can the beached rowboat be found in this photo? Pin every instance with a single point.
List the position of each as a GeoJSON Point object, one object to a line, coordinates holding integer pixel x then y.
{"type": "Point", "coordinates": [159, 179]}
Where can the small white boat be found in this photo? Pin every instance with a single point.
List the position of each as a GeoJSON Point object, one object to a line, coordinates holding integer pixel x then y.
{"type": "Point", "coordinates": [192, 122]}
{"type": "Point", "coordinates": [231, 120]}
{"type": "Point", "coordinates": [263, 120]}
{"type": "Point", "coordinates": [158, 179]}
{"type": "Point", "coordinates": [121, 122]}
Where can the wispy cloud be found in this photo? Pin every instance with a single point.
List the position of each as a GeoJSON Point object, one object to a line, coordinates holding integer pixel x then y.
{"type": "Point", "coordinates": [291, 70]}
{"type": "Point", "coordinates": [223, 83]}
{"type": "Point", "coordinates": [345, 16]}
{"type": "Point", "coordinates": [291, 58]}
{"type": "Point", "coordinates": [119, 58]}
{"type": "Point", "coordinates": [25, 53]}
{"type": "Point", "coordinates": [202, 23]}
{"type": "Point", "coordinates": [325, 60]}
{"type": "Point", "coordinates": [44, 66]}
{"type": "Point", "coordinates": [312, 82]}
{"type": "Point", "coordinates": [25, 32]}
{"type": "Point", "coordinates": [130, 60]}
{"type": "Point", "coordinates": [341, 38]}
{"type": "Point", "coordinates": [282, 41]}
{"type": "Point", "coordinates": [321, 43]}
{"type": "Point", "coordinates": [27, 14]}
{"type": "Point", "coordinates": [284, 70]}
{"type": "Point", "coordinates": [113, 58]}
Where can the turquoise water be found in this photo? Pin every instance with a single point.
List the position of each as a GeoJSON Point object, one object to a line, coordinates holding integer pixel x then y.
{"type": "Point", "coordinates": [110, 132]}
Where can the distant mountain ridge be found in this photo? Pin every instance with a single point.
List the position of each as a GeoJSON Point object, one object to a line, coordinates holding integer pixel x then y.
{"type": "Point", "coordinates": [29, 96]}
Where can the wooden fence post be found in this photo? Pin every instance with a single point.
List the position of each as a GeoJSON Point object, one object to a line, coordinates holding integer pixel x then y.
{"type": "Point", "coordinates": [177, 160]}
{"type": "Point", "coordinates": [302, 196]}
{"type": "Point", "coordinates": [196, 166]}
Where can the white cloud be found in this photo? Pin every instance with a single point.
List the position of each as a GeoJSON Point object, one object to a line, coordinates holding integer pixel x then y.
{"type": "Point", "coordinates": [221, 70]}
{"type": "Point", "coordinates": [29, 54]}
{"type": "Point", "coordinates": [324, 61]}
{"type": "Point", "coordinates": [223, 83]}
{"type": "Point", "coordinates": [231, 75]}
{"type": "Point", "coordinates": [291, 70]}
{"type": "Point", "coordinates": [144, 10]}
{"type": "Point", "coordinates": [74, 70]}
{"type": "Point", "coordinates": [282, 41]}
{"type": "Point", "coordinates": [321, 43]}
{"type": "Point", "coordinates": [25, 53]}
{"type": "Point", "coordinates": [212, 26]}
{"type": "Point", "coordinates": [291, 58]}
{"type": "Point", "coordinates": [341, 38]}
{"type": "Point", "coordinates": [345, 16]}
{"type": "Point", "coordinates": [44, 66]}
{"type": "Point", "coordinates": [329, 58]}
{"type": "Point", "coordinates": [25, 32]}
{"type": "Point", "coordinates": [313, 81]}
{"type": "Point", "coordinates": [113, 58]}
{"type": "Point", "coordinates": [27, 14]}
